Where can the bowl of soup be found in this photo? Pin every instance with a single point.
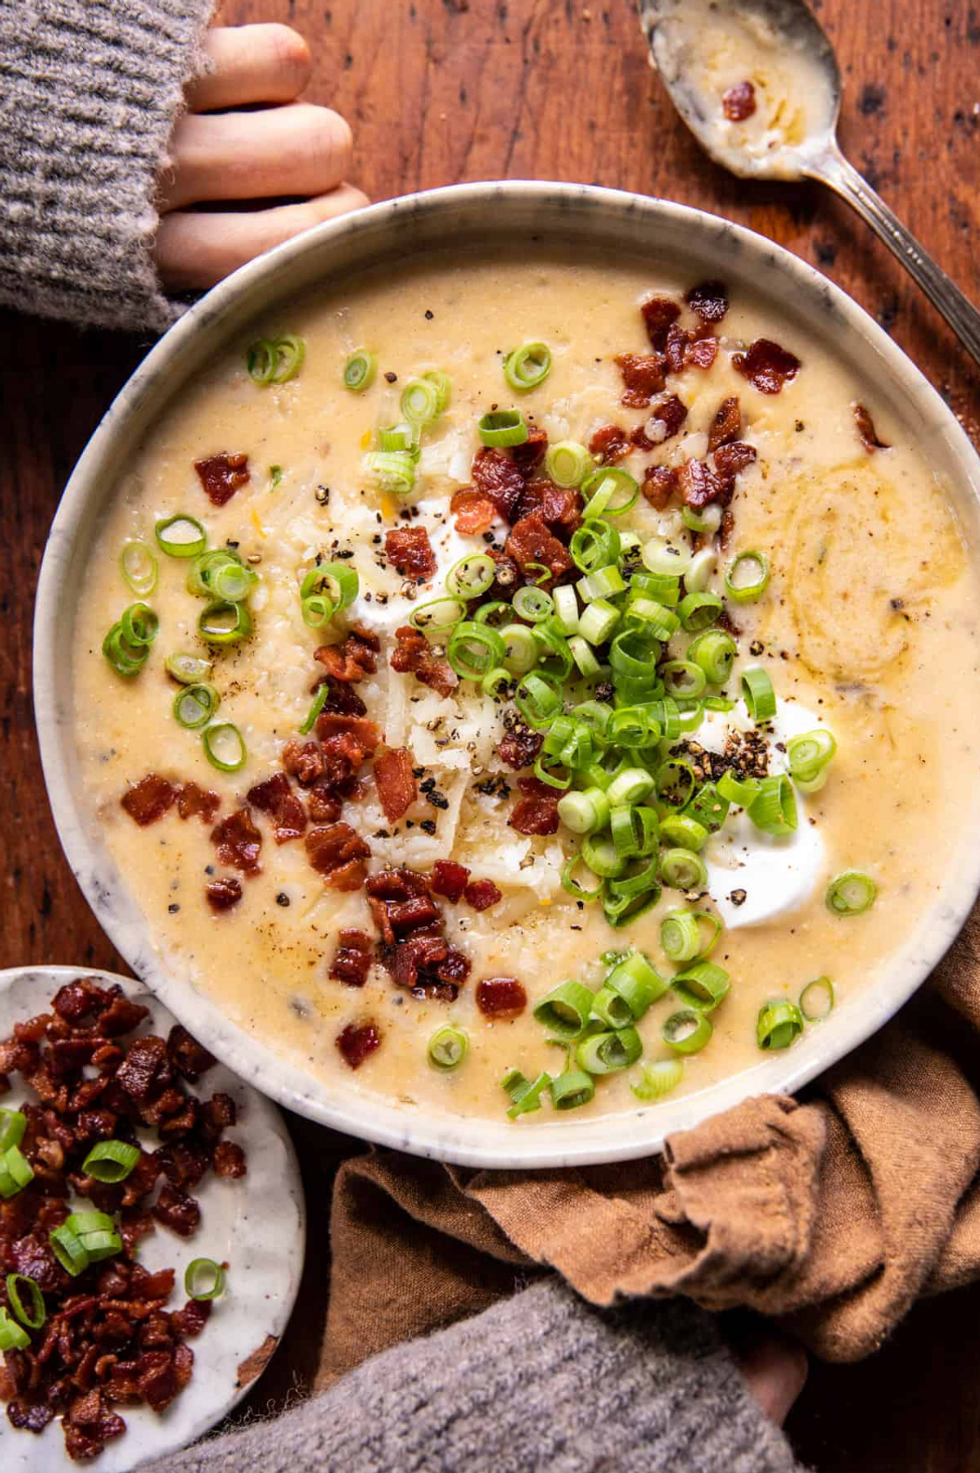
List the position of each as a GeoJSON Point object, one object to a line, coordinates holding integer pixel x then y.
{"type": "Point", "coordinates": [505, 673]}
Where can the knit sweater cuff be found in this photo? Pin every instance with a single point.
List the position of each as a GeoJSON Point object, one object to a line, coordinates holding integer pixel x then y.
{"type": "Point", "coordinates": [541, 1380]}
{"type": "Point", "coordinates": [89, 92]}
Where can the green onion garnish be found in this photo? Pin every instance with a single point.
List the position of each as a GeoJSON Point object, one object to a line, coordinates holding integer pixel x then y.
{"type": "Point", "coordinates": [527, 366]}
{"type": "Point", "coordinates": [698, 611]}
{"type": "Point", "coordinates": [138, 567]}
{"type": "Point", "coordinates": [442, 614]}
{"type": "Point", "coordinates": [657, 1080]}
{"type": "Point", "coordinates": [707, 520]}
{"type": "Point", "coordinates": [420, 401]}
{"type": "Point", "coordinates": [126, 659]}
{"type": "Point", "coordinates": [13, 1123]}
{"type": "Point", "coordinates": [317, 611]}
{"type": "Point", "coordinates": [660, 556]}
{"type": "Point", "coordinates": [714, 651]}
{"type": "Point", "coordinates": [773, 809]}
{"type": "Point", "coordinates": [69, 1250]}
{"type": "Point", "coordinates": [225, 623]}
{"type": "Point", "coordinates": [181, 536]}
{"type": "Point", "coordinates": [448, 1047]}
{"type": "Point", "coordinates": [810, 756]}
{"type": "Point", "coordinates": [683, 832]}
{"type": "Point", "coordinates": [698, 575]}
{"type": "Point", "coordinates": [758, 694]}
{"type": "Point", "coordinates": [607, 1053]}
{"type": "Point", "coordinates": [111, 1161]}
{"type": "Point", "coordinates": [473, 575]}
{"type": "Point", "coordinates": [393, 470]}
{"type": "Point", "coordinates": [565, 1010]}
{"type": "Point", "coordinates": [533, 604]}
{"type": "Point", "coordinates": [682, 869]}
{"type": "Point", "coordinates": [739, 791]}
{"type": "Point", "coordinates": [778, 1024]}
{"type": "Point", "coordinates": [682, 678]}
{"type": "Point", "coordinates": [139, 625]}
{"type": "Point", "coordinates": [595, 544]}
{"type": "Point", "coordinates": [572, 886]}
{"type": "Point", "coordinates": [84, 1238]}
{"type": "Point", "coordinates": [224, 746]}
{"type": "Point", "coordinates": [747, 577]}
{"type": "Point", "coordinates": [687, 1032]}
{"type": "Point", "coordinates": [338, 581]}
{"type": "Point", "coordinates": [502, 427]}
{"type": "Point", "coordinates": [188, 669]}
{"type": "Point", "coordinates": [851, 893]}
{"type": "Point", "coordinates": [21, 1284]}
{"type": "Point", "coordinates": [680, 935]}
{"type": "Point", "coordinates": [474, 649]}
{"type": "Point", "coordinates": [12, 1337]}
{"type": "Point", "coordinates": [444, 387]}
{"type": "Point", "coordinates": [526, 1095]}
{"type": "Point", "coordinates": [290, 353]}
{"type": "Point", "coordinates": [359, 371]}
{"type": "Point", "coordinates": [16, 1172]}
{"type": "Point", "coordinates": [319, 701]}
{"type": "Point", "coordinates": [675, 782]}
{"type": "Point", "coordinates": [204, 1279]}
{"type": "Point", "coordinates": [701, 986]}
{"type": "Point", "coordinates": [637, 982]}
{"type": "Point", "coordinates": [568, 463]}
{"type": "Point", "coordinates": [571, 1089]}
{"type": "Point", "coordinates": [604, 485]}
{"type": "Point", "coordinates": [260, 360]}
{"type": "Point", "coordinates": [195, 705]}
{"type": "Point", "coordinates": [817, 1000]}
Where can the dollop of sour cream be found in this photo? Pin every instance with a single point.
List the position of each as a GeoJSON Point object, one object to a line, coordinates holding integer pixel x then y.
{"type": "Point", "coordinates": [777, 875]}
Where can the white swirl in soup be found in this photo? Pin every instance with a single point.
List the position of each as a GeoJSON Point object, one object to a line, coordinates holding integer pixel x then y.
{"type": "Point", "coordinates": [528, 686]}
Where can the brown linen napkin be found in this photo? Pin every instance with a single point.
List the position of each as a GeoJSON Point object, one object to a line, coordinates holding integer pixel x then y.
{"type": "Point", "coordinates": [832, 1214]}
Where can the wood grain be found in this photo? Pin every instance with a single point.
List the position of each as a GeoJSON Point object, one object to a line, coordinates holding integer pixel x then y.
{"type": "Point", "coordinates": [445, 90]}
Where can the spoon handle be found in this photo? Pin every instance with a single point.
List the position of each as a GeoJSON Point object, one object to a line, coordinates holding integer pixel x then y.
{"type": "Point", "coordinates": [834, 169]}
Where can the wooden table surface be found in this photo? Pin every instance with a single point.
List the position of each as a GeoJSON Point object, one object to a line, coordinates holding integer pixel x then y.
{"type": "Point", "coordinates": [440, 91]}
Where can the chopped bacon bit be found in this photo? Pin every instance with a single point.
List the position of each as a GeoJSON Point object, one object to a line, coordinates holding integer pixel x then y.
{"type": "Point", "coordinates": [276, 797]}
{"type": "Point", "coordinates": [474, 512]}
{"type": "Point", "coordinates": [223, 893]}
{"type": "Point", "coordinates": [409, 915]}
{"type": "Point", "coordinates": [149, 799]}
{"type": "Point", "coordinates": [193, 801]}
{"type": "Point", "coordinates": [643, 376]}
{"type": "Point", "coordinates": [411, 552]}
{"type": "Point", "coordinates": [190, 1058]}
{"type": "Point", "coordinates": [701, 352]}
{"type": "Point", "coordinates": [697, 349]}
{"type": "Point", "coordinates": [454, 967]}
{"type": "Point", "coordinates": [531, 542]}
{"type": "Point", "coordinates": [609, 444]}
{"type": "Point", "coordinates": [700, 484]}
{"type": "Point", "coordinates": [528, 457]}
{"type": "Point", "coordinates": [560, 507]}
{"type": "Point", "coordinates": [323, 805]}
{"type": "Point", "coordinates": [238, 841]}
{"type": "Point", "coordinates": [499, 477]}
{"type": "Point", "coordinates": [709, 299]}
{"type": "Point", "coordinates": [449, 879]}
{"type": "Point", "coordinates": [730, 459]}
{"type": "Point", "coordinates": [222, 475]}
{"type": "Point", "coordinates": [303, 761]}
{"type": "Point", "coordinates": [413, 948]}
{"type": "Point", "coordinates": [738, 103]}
{"type": "Point", "coordinates": [342, 699]}
{"type": "Point", "coordinates": [177, 1211]}
{"type": "Point", "coordinates": [519, 746]}
{"type": "Point", "coordinates": [766, 365]}
{"type": "Point", "coordinates": [659, 484]}
{"type": "Point", "coordinates": [397, 884]}
{"type": "Point", "coordinates": [338, 853]}
{"type": "Point", "coordinates": [537, 811]}
{"type": "Point", "coordinates": [364, 734]}
{"type": "Point", "coordinates": [500, 997]}
{"type": "Point", "coordinates": [397, 788]}
{"type": "Point", "coordinates": [350, 661]}
{"type": "Point", "coordinates": [727, 423]}
{"type": "Point", "coordinates": [357, 1042]}
{"type": "Point", "coordinates": [352, 959]}
{"type": "Point", "coordinates": [413, 655]}
{"type": "Point", "coordinates": [670, 413]}
{"type": "Point", "coordinates": [229, 1160]}
{"type": "Point", "coordinates": [659, 314]}
{"type": "Point", "coordinates": [866, 430]}
{"type": "Point", "coordinates": [482, 894]}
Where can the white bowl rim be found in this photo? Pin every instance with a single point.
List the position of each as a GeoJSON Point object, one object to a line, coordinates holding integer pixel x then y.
{"type": "Point", "coordinates": [469, 1141]}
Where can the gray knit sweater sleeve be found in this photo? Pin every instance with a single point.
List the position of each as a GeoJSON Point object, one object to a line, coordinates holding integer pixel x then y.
{"type": "Point", "coordinates": [89, 91]}
{"type": "Point", "coordinates": [539, 1381]}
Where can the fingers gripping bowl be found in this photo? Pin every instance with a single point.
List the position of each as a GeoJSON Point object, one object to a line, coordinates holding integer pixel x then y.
{"type": "Point", "coordinates": [655, 430]}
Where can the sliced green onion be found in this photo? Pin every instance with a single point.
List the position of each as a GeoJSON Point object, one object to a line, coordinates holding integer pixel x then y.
{"type": "Point", "coordinates": [204, 1279]}
{"type": "Point", "coordinates": [181, 536]}
{"type": "Point", "coordinates": [702, 986]}
{"type": "Point", "coordinates": [747, 577]}
{"type": "Point", "coordinates": [687, 1032]}
{"type": "Point", "coordinates": [439, 615]}
{"type": "Point", "coordinates": [708, 807]}
{"type": "Point", "coordinates": [138, 567]}
{"type": "Point", "coordinates": [632, 882]}
{"type": "Point", "coordinates": [448, 1047]}
{"type": "Point", "coordinates": [739, 791]}
{"type": "Point", "coordinates": [260, 360]}
{"type": "Point", "coordinates": [404, 437]}
{"type": "Point", "coordinates": [778, 1024]}
{"type": "Point", "coordinates": [657, 620]}
{"type": "Point", "coordinates": [601, 857]}
{"type": "Point", "coordinates": [527, 366]}
{"type": "Point", "coordinates": [359, 371]}
{"type": "Point", "coordinates": [630, 786]}
{"type": "Point", "coordinates": [609, 492]}
{"type": "Point", "coordinates": [317, 611]}
{"type": "Point", "coordinates": [851, 893]}
{"type": "Point", "coordinates": [473, 575]}
{"type": "Point", "coordinates": [680, 935]}
{"type": "Point", "coordinates": [420, 401]}
{"type": "Point", "coordinates": [393, 470]}
{"type": "Point", "coordinates": [663, 557]}
{"type": "Point", "coordinates": [584, 812]}
{"type": "Point", "coordinates": [607, 1053]}
{"type": "Point", "coordinates": [532, 603]}
{"type": "Point", "coordinates": [16, 1172]}
{"type": "Point", "coordinates": [474, 649]}
{"type": "Point", "coordinates": [707, 520]}
{"type": "Point", "coordinates": [581, 651]}
{"type": "Point", "coordinates": [188, 669]}
{"type": "Point", "coordinates": [139, 625]}
{"type": "Point", "coordinates": [699, 574]}
{"type": "Point", "coordinates": [675, 782]}
{"type": "Point", "coordinates": [69, 1250]}
{"type": "Point", "coordinates": [602, 583]}
{"type": "Point", "coordinates": [598, 621]}
{"type": "Point", "coordinates": [565, 1010]}
{"type": "Point", "coordinates": [596, 544]}
{"type": "Point", "coordinates": [224, 746]}
{"type": "Point", "coordinates": [683, 679]}
{"type": "Point", "coordinates": [568, 463]}
{"type": "Point", "coordinates": [18, 1284]}
{"type": "Point", "coordinates": [521, 652]}
{"type": "Point", "coordinates": [665, 588]}
{"type": "Point", "coordinates": [12, 1337]}
{"type": "Point", "coordinates": [224, 623]}
{"type": "Point", "coordinates": [111, 1161]}
{"type": "Point", "coordinates": [657, 1080]}
{"type": "Point", "coordinates": [571, 885]}
{"type": "Point", "coordinates": [319, 701]}
{"type": "Point", "coordinates": [195, 705]}
{"type": "Point", "coordinates": [444, 387]}
{"type": "Point", "coordinates": [566, 608]}
{"type": "Point", "coordinates": [502, 427]}
{"type": "Point", "coordinates": [538, 698]}
{"type": "Point", "coordinates": [290, 354]}
{"type": "Point", "coordinates": [610, 1009]}
{"type": "Point", "coordinates": [13, 1123]}
{"type": "Point", "coordinates": [684, 832]}
{"type": "Point", "coordinates": [497, 682]}
{"type": "Point", "coordinates": [623, 910]}
{"type": "Point", "coordinates": [338, 581]}
{"type": "Point", "coordinates": [817, 1000]}
{"type": "Point", "coordinates": [758, 694]}
{"type": "Point", "coordinates": [572, 1089]}
{"type": "Point", "coordinates": [699, 610]}
{"type": "Point", "coordinates": [637, 982]}
{"type": "Point", "coordinates": [773, 809]}
{"type": "Point", "coordinates": [205, 565]}
{"type": "Point", "coordinates": [714, 651]}
{"type": "Point", "coordinates": [526, 1095]}
{"type": "Point", "coordinates": [809, 757]}
{"type": "Point", "coordinates": [682, 869]}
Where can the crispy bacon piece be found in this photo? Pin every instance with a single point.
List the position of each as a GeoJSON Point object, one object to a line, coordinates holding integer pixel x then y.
{"type": "Point", "coordinates": [659, 314]}
{"type": "Point", "coordinates": [559, 507]}
{"type": "Point", "coordinates": [519, 746]}
{"type": "Point", "coordinates": [697, 349]}
{"type": "Point", "coordinates": [195, 802]}
{"type": "Point", "coordinates": [738, 103]}
{"type": "Point", "coordinates": [342, 698]}
{"type": "Point", "coordinates": [474, 512]}
{"type": "Point", "coordinates": [303, 761]}
{"type": "Point", "coordinates": [531, 542]}
{"type": "Point", "coordinates": [659, 484]}
{"type": "Point", "coordinates": [338, 853]}
{"type": "Point", "coordinates": [498, 477]}
{"type": "Point", "coordinates": [149, 799]}
{"type": "Point", "coordinates": [609, 444]}
{"type": "Point", "coordinates": [177, 1211]}
{"type": "Point", "coordinates": [410, 915]}
{"type": "Point", "coordinates": [413, 655]}
{"type": "Point", "coordinates": [238, 841]}
{"type": "Point", "coordinates": [766, 365]}
{"type": "Point", "coordinates": [352, 660]}
{"type": "Point", "coordinates": [537, 811]}
{"type": "Point", "coordinates": [276, 798]}
{"type": "Point", "coordinates": [409, 549]}
{"type": "Point", "coordinates": [642, 375]}
{"type": "Point", "coordinates": [223, 893]}
{"type": "Point", "coordinates": [366, 735]}
{"type": "Point", "coordinates": [397, 788]}
{"type": "Point", "coordinates": [229, 1160]}
{"type": "Point", "coordinates": [730, 459]}
{"type": "Point", "coordinates": [449, 879]}
{"type": "Point", "coordinates": [145, 1069]}
{"type": "Point", "coordinates": [709, 299]}
{"type": "Point", "coordinates": [669, 414]}
{"type": "Point", "coordinates": [352, 959]}
{"type": "Point", "coordinates": [528, 457]}
{"type": "Point", "coordinates": [727, 423]}
{"type": "Point", "coordinates": [701, 352]}
{"type": "Point", "coordinates": [322, 803]}
{"type": "Point", "coordinates": [190, 1058]}
{"type": "Point", "coordinates": [482, 894]}
{"type": "Point", "coordinates": [357, 1042]}
{"type": "Point", "coordinates": [500, 997]}
{"type": "Point", "coordinates": [397, 884]}
{"type": "Point", "coordinates": [866, 430]}
{"type": "Point", "coordinates": [222, 475]}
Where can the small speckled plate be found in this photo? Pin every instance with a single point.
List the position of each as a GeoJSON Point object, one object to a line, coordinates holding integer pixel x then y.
{"type": "Point", "coordinates": [256, 1225]}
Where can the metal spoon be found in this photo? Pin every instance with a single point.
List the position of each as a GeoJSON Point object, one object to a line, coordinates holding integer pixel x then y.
{"type": "Point", "coordinates": [703, 47]}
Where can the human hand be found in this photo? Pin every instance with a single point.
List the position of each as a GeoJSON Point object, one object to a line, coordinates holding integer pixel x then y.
{"type": "Point", "coordinates": [775, 1369]}
{"type": "Point", "coordinates": [287, 148]}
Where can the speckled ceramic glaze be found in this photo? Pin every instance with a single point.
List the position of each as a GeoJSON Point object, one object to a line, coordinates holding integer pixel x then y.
{"type": "Point", "coordinates": [256, 1225]}
{"type": "Point", "coordinates": [475, 214]}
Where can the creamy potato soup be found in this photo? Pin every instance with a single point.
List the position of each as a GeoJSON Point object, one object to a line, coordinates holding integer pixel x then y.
{"type": "Point", "coordinates": [528, 685]}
